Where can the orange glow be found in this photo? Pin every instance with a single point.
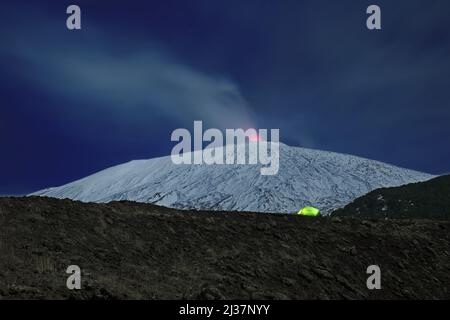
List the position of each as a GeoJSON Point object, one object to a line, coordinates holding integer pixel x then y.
{"type": "Point", "coordinates": [255, 137]}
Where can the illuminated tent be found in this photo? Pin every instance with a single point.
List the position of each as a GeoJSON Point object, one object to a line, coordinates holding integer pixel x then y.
{"type": "Point", "coordinates": [309, 211]}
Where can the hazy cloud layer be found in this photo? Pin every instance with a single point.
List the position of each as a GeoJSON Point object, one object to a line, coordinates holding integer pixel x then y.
{"type": "Point", "coordinates": [140, 81]}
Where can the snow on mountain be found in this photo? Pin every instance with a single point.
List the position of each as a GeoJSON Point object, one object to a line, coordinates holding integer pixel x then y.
{"type": "Point", "coordinates": [326, 180]}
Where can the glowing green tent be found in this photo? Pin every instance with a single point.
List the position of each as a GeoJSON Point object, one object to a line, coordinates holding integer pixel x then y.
{"type": "Point", "coordinates": [309, 211]}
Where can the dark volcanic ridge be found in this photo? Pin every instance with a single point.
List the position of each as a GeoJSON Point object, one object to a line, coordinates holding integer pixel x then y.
{"type": "Point", "coordinates": [139, 251]}
{"type": "Point", "coordinates": [429, 200]}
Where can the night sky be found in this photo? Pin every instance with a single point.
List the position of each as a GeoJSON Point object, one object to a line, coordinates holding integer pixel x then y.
{"type": "Point", "coordinates": [75, 102]}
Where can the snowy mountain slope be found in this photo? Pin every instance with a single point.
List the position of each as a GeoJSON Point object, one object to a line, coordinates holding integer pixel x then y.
{"type": "Point", "coordinates": [323, 179]}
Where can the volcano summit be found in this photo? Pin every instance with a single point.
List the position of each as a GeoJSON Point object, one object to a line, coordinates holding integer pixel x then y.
{"type": "Point", "coordinates": [324, 179]}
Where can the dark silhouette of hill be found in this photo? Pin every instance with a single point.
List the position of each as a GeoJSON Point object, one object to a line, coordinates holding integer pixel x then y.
{"type": "Point", "coordinates": [128, 250]}
{"type": "Point", "coordinates": [428, 200]}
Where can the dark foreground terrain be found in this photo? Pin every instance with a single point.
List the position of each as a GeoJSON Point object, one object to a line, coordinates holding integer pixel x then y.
{"type": "Point", "coordinates": [138, 251]}
{"type": "Point", "coordinates": [429, 199]}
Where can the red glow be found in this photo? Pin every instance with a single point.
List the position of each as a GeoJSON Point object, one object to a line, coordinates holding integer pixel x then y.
{"type": "Point", "coordinates": [255, 137]}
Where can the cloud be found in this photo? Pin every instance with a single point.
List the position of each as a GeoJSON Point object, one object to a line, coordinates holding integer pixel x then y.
{"type": "Point", "coordinates": [140, 80]}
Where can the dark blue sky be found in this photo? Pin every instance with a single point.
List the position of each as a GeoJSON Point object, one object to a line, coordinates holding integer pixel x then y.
{"type": "Point", "coordinates": [75, 102]}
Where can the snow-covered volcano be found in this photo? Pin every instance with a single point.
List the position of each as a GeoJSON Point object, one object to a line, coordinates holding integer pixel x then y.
{"type": "Point", "coordinates": [326, 180]}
